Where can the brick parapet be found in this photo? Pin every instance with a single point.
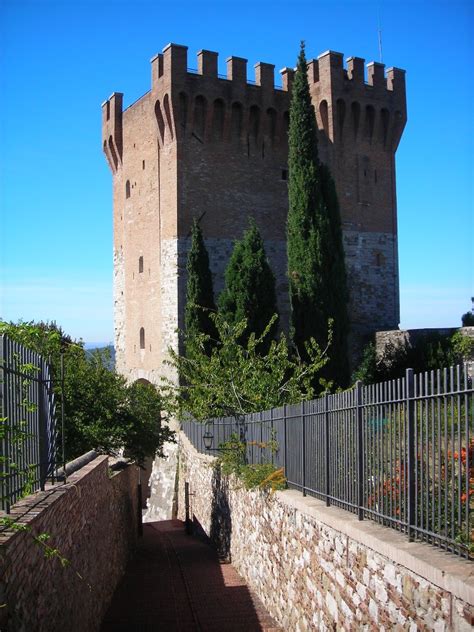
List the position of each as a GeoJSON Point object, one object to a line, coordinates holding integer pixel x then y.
{"type": "Point", "coordinates": [92, 521]}
{"type": "Point", "coordinates": [320, 568]}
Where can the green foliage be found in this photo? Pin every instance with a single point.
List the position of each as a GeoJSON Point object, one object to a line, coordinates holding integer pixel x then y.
{"type": "Point", "coordinates": [254, 475]}
{"type": "Point", "coordinates": [462, 347]}
{"type": "Point", "coordinates": [264, 476]}
{"type": "Point", "coordinates": [316, 268]}
{"type": "Point", "coordinates": [249, 291]}
{"type": "Point", "coordinates": [467, 319]}
{"type": "Point", "coordinates": [236, 379]}
{"type": "Point", "coordinates": [430, 352]}
{"type": "Point", "coordinates": [367, 371]}
{"type": "Point", "coordinates": [199, 292]}
{"type": "Point", "coordinates": [102, 411]}
{"type": "Point", "coordinates": [232, 456]}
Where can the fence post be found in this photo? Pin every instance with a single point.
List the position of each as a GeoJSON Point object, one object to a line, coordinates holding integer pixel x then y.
{"type": "Point", "coordinates": [284, 438]}
{"type": "Point", "coordinates": [326, 442]}
{"type": "Point", "coordinates": [4, 443]}
{"type": "Point", "coordinates": [303, 446]}
{"type": "Point", "coordinates": [272, 435]}
{"type": "Point", "coordinates": [63, 435]}
{"type": "Point", "coordinates": [42, 429]}
{"type": "Point", "coordinates": [410, 413]}
{"type": "Point", "coordinates": [187, 521]}
{"type": "Point", "coordinates": [360, 451]}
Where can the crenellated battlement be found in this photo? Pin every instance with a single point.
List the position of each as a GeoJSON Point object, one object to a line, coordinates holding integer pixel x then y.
{"type": "Point", "coordinates": [210, 106]}
{"type": "Point", "coordinates": [172, 66]}
{"type": "Point", "coordinates": [330, 65]}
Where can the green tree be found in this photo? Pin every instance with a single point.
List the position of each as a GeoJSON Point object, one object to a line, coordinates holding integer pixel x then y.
{"type": "Point", "coordinates": [102, 411]}
{"type": "Point", "coordinates": [199, 293]}
{"type": "Point", "coordinates": [236, 378]}
{"type": "Point", "coordinates": [316, 268]}
{"type": "Point", "coordinates": [467, 319]}
{"type": "Point", "coordinates": [249, 291]}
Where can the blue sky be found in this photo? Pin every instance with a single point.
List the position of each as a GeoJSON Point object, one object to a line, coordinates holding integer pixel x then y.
{"type": "Point", "coordinates": [60, 60]}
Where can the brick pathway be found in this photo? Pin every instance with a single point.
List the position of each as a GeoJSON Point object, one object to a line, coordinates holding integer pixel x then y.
{"type": "Point", "coordinates": [175, 582]}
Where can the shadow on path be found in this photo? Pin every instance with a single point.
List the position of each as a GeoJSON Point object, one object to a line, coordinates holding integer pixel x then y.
{"type": "Point", "coordinates": [176, 582]}
{"type": "Point", "coordinates": [221, 520]}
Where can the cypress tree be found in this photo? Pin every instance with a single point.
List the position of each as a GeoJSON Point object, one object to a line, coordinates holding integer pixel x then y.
{"type": "Point", "coordinates": [249, 290]}
{"type": "Point", "coordinates": [316, 268]}
{"type": "Point", "coordinates": [199, 292]}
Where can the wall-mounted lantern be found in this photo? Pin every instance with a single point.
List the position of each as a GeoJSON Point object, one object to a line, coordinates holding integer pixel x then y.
{"type": "Point", "coordinates": [208, 436]}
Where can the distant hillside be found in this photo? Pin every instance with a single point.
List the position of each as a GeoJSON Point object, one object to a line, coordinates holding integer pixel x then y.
{"type": "Point", "coordinates": [98, 347]}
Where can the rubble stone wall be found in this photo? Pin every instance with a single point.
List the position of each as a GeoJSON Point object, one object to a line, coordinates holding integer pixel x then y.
{"type": "Point", "coordinates": [319, 568]}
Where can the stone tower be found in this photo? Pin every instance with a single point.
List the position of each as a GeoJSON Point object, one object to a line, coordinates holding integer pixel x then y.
{"type": "Point", "coordinates": [215, 147]}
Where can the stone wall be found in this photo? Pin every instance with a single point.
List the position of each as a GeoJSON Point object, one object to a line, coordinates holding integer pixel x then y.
{"type": "Point", "coordinates": [412, 336]}
{"type": "Point", "coordinates": [161, 503]}
{"type": "Point", "coordinates": [92, 520]}
{"type": "Point", "coordinates": [319, 568]}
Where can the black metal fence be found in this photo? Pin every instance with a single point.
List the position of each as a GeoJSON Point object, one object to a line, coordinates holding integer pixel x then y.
{"type": "Point", "coordinates": [27, 422]}
{"type": "Point", "coordinates": [400, 452]}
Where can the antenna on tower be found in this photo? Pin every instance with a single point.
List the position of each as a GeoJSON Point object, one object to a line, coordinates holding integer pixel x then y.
{"type": "Point", "coordinates": [380, 35]}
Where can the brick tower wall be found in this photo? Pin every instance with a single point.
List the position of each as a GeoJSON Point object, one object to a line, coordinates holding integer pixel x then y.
{"type": "Point", "coordinates": [201, 145]}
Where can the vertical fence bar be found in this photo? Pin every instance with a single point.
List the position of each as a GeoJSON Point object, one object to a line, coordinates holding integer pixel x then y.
{"type": "Point", "coordinates": [284, 439]}
{"type": "Point", "coordinates": [468, 453]}
{"type": "Point", "coordinates": [272, 432]}
{"type": "Point", "coordinates": [452, 491]}
{"type": "Point", "coordinates": [360, 451]}
{"type": "Point", "coordinates": [460, 446]}
{"type": "Point", "coordinates": [43, 439]}
{"type": "Point", "coordinates": [63, 445]}
{"type": "Point", "coordinates": [10, 382]}
{"type": "Point", "coordinates": [303, 448]}
{"type": "Point", "coordinates": [3, 413]}
{"type": "Point", "coordinates": [410, 410]}
{"type": "Point", "coordinates": [326, 446]}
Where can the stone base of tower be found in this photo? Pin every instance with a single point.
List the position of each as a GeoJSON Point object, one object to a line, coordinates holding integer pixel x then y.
{"type": "Point", "coordinates": [161, 504]}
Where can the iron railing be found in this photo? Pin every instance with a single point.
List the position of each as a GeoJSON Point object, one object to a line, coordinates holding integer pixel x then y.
{"type": "Point", "coordinates": [399, 452]}
{"type": "Point", "coordinates": [27, 422]}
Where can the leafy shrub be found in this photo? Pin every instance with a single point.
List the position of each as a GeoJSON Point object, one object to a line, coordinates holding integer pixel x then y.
{"type": "Point", "coordinates": [235, 378]}
{"type": "Point", "coordinates": [263, 475]}
{"type": "Point", "coordinates": [467, 319]}
{"type": "Point", "coordinates": [232, 460]}
{"type": "Point", "coordinates": [432, 351]}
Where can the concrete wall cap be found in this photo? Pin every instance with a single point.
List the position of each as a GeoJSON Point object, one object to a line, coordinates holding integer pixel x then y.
{"type": "Point", "coordinates": [171, 44]}
{"type": "Point", "coordinates": [330, 52]}
{"type": "Point", "coordinates": [449, 572]}
{"type": "Point", "coordinates": [392, 68]}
